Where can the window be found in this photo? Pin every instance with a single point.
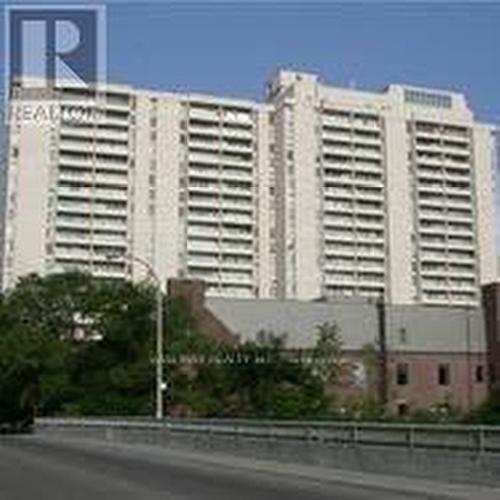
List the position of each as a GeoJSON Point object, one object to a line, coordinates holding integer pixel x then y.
{"type": "Point", "coordinates": [428, 98]}
{"type": "Point", "coordinates": [403, 338]}
{"type": "Point", "coordinates": [479, 374]}
{"type": "Point", "coordinates": [444, 375]}
{"type": "Point", "coordinates": [402, 374]}
{"type": "Point", "coordinates": [402, 409]}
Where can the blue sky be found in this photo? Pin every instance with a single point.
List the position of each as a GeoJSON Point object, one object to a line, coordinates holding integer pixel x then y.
{"type": "Point", "coordinates": [233, 48]}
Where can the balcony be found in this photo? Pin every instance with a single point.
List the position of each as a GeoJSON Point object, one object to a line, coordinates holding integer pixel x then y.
{"type": "Point", "coordinates": [203, 262]}
{"type": "Point", "coordinates": [203, 216]}
{"type": "Point", "coordinates": [195, 187]}
{"type": "Point", "coordinates": [339, 236]}
{"type": "Point", "coordinates": [237, 264]}
{"type": "Point", "coordinates": [206, 115]}
{"type": "Point", "coordinates": [70, 175]}
{"type": "Point", "coordinates": [366, 208]}
{"type": "Point", "coordinates": [204, 129]}
{"type": "Point", "coordinates": [82, 193]}
{"type": "Point", "coordinates": [237, 148]}
{"type": "Point", "coordinates": [236, 235]}
{"type": "Point", "coordinates": [112, 180]}
{"type": "Point", "coordinates": [369, 125]}
{"type": "Point", "coordinates": [336, 134]}
{"type": "Point", "coordinates": [204, 158]}
{"type": "Point", "coordinates": [210, 146]}
{"type": "Point", "coordinates": [232, 160]}
{"type": "Point", "coordinates": [111, 194]}
{"type": "Point", "coordinates": [337, 193]}
{"type": "Point", "coordinates": [120, 150]}
{"type": "Point", "coordinates": [113, 224]}
{"type": "Point", "coordinates": [370, 195]}
{"type": "Point", "coordinates": [202, 231]}
{"type": "Point", "coordinates": [338, 208]}
{"type": "Point", "coordinates": [202, 246]}
{"type": "Point", "coordinates": [115, 240]}
{"type": "Point", "coordinates": [209, 204]}
{"type": "Point", "coordinates": [234, 218]}
{"type": "Point", "coordinates": [68, 253]}
{"type": "Point", "coordinates": [237, 207]}
{"type": "Point", "coordinates": [365, 223]}
{"type": "Point", "coordinates": [204, 173]}
{"type": "Point", "coordinates": [457, 165]}
{"type": "Point", "coordinates": [122, 121]}
{"type": "Point", "coordinates": [343, 122]}
{"type": "Point", "coordinates": [231, 174]}
{"type": "Point", "coordinates": [237, 118]}
{"type": "Point", "coordinates": [112, 134]}
{"type": "Point", "coordinates": [77, 160]}
{"type": "Point", "coordinates": [110, 209]}
{"type": "Point", "coordinates": [236, 279]}
{"type": "Point", "coordinates": [369, 177]}
{"type": "Point", "coordinates": [236, 133]}
{"type": "Point", "coordinates": [229, 248]}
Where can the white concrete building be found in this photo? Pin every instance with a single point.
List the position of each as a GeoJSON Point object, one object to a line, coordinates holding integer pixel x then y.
{"type": "Point", "coordinates": [178, 181]}
{"type": "Point", "coordinates": [319, 191]}
{"type": "Point", "coordinates": [385, 193]}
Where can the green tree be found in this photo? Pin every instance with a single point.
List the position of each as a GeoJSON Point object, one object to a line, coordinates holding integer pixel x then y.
{"type": "Point", "coordinates": [488, 413]}
{"type": "Point", "coordinates": [326, 355]}
{"type": "Point", "coordinates": [85, 346]}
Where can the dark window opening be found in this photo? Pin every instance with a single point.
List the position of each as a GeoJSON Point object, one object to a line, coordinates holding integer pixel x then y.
{"type": "Point", "coordinates": [402, 374]}
{"type": "Point", "coordinates": [444, 375]}
{"type": "Point", "coordinates": [402, 409]}
{"type": "Point", "coordinates": [480, 374]}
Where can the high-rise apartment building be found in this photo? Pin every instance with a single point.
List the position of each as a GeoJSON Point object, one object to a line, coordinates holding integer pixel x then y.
{"type": "Point", "coordinates": [318, 191]}
{"type": "Point", "coordinates": [385, 193]}
{"type": "Point", "coordinates": [178, 181]}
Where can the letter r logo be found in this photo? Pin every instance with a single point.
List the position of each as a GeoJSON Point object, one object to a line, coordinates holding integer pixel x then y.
{"type": "Point", "coordinates": [50, 44]}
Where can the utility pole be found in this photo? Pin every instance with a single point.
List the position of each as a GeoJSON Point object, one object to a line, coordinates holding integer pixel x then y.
{"type": "Point", "coordinates": [382, 340]}
{"type": "Point", "coordinates": [160, 386]}
{"type": "Point", "coordinates": [159, 352]}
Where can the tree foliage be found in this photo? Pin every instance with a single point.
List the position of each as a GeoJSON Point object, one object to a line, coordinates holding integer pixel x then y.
{"type": "Point", "coordinates": [86, 347]}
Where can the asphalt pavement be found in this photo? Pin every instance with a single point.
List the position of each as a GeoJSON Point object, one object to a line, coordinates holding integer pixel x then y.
{"type": "Point", "coordinates": [50, 468]}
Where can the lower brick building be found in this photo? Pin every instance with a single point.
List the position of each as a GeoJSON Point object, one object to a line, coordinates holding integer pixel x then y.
{"type": "Point", "coordinates": [408, 357]}
{"type": "Point", "coordinates": [491, 305]}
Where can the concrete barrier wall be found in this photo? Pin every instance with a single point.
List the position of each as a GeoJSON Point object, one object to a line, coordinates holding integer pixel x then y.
{"type": "Point", "coordinates": [450, 462]}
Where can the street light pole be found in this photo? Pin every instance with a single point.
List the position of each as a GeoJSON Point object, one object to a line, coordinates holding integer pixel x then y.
{"type": "Point", "coordinates": [159, 384]}
{"type": "Point", "coordinates": [159, 353]}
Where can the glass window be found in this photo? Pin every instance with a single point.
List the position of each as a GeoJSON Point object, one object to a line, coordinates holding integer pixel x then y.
{"type": "Point", "coordinates": [479, 374]}
{"type": "Point", "coordinates": [444, 374]}
{"type": "Point", "coordinates": [402, 374]}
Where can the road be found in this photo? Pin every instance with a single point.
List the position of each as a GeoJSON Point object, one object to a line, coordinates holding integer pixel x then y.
{"type": "Point", "coordinates": [46, 468]}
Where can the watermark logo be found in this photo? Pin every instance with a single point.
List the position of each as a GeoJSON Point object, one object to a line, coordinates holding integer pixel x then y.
{"type": "Point", "coordinates": [48, 45]}
{"type": "Point", "coordinates": [53, 46]}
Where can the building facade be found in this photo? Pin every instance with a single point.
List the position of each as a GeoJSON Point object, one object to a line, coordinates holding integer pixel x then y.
{"type": "Point", "coordinates": [407, 357]}
{"type": "Point", "coordinates": [383, 194]}
{"type": "Point", "coordinates": [176, 181]}
{"type": "Point", "coordinates": [491, 305]}
{"type": "Point", "coordinates": [318, 191]}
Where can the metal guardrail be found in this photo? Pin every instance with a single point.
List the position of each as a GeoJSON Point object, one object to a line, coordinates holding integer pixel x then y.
{"type": "Point", "coordinates": [475, 439]}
